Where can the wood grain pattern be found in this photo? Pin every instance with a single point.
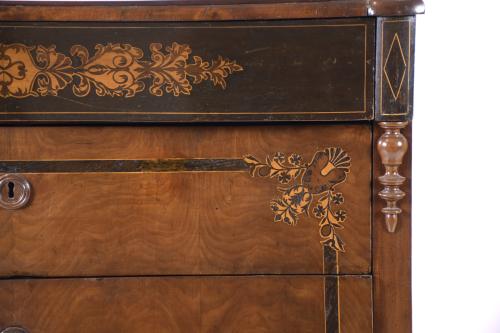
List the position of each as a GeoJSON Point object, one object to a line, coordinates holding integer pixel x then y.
{"type": "Point", "coordinates": [105, 224]}
{"type": "Point", "coordinates": [355, 293]}
{"type": "Point", "coordinates": [392, 255]}
{"type": "Point", "coordinates": [289, 304]}
{"type": "Point", "coordinates": [183, 13]}
{"type": "Point", "coordinates": [204, 10]}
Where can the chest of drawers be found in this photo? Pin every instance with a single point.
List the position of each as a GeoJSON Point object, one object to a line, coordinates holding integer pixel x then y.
{"type": "Point", "coordinates": [206, 167]}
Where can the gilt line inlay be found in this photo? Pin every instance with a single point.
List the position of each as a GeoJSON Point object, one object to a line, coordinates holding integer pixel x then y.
{"type": "Point", "coordinates": [113, 70]}
{"type": "Point", "coordinates": [305, 184]}
{"type": "Point", "coordinates": [396, 80]}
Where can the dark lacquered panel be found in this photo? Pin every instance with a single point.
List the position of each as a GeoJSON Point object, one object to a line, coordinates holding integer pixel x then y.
{"type": "Point", "coordinates": [395, 67]}
{"type": "Point", "coordinates": [288, 70]}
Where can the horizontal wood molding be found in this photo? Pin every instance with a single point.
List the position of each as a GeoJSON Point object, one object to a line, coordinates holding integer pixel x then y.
{"type": "Point", "coordinates": [396, 7]}
{"type": "Point", "coordinates": [201, 10]}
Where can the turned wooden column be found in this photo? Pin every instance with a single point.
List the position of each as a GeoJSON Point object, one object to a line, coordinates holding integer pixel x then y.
{"type": "Point", "coordinates": [392, 146]}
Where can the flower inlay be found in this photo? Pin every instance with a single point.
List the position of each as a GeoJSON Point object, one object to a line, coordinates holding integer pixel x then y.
{"type": "Point", "coordinates": [308, 184]}
{"type": "Point", "coordinates": [113, 70]}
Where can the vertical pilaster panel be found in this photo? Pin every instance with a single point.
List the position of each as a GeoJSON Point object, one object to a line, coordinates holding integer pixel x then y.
{"type": "Point", "coordinates": [395, 64]}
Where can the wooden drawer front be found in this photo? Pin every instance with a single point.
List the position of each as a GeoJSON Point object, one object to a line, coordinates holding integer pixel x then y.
{"type": "Point", "coordinates": [188, 200]}
{"type": "Point", "coordinates": [189, 304]}
{"type": "Point", "coordinates": [152, 72]}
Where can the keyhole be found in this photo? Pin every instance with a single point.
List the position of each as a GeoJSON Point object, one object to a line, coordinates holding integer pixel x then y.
{"type": "Point", "coordinates": [11, 190]}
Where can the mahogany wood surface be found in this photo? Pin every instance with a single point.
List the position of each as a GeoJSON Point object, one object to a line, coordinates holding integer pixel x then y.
{"type": "Point", "coordinates": [392, 147]}
{"type": "Point", "coordinates": [169, 228]}
{"type": "Point", "coordinates": [177, 222]}
{"type": "Point", "coordinates": [292, 304]}
{"type": "Point", "coordinates": [396, 7]}
{"type": "Point", "coordinates": [203, 10]}
{"type": "Point", "coordinates": [392, 254]}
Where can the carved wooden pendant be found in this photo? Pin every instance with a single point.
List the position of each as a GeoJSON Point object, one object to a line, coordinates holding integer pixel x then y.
{"type": "Point", "coordinates": [306, 183]}
{"type": "Point", "coordinates": [392, 146]}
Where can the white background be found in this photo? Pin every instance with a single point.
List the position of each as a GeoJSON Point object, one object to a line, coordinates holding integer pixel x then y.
{"type": "Point", "coordinates": [456, 168]}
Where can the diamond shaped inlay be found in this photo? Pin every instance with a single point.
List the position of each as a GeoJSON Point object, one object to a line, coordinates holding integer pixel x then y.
{"type": "Point", "coordinates": [395, 67]}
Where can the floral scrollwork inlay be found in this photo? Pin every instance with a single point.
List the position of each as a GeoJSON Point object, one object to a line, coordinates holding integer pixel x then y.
{"type": "Point", "coordinates": [113, 70]}
{"type": "Point", "coordinates": [305, 185]}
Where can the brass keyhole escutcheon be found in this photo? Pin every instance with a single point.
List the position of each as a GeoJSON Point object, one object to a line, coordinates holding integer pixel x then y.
{"type": "Point", "coordinates": [15, 191]}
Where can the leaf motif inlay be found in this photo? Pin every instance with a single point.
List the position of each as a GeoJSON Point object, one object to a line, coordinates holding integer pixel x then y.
{"type": "Point", "coordinates": [113, 70]}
